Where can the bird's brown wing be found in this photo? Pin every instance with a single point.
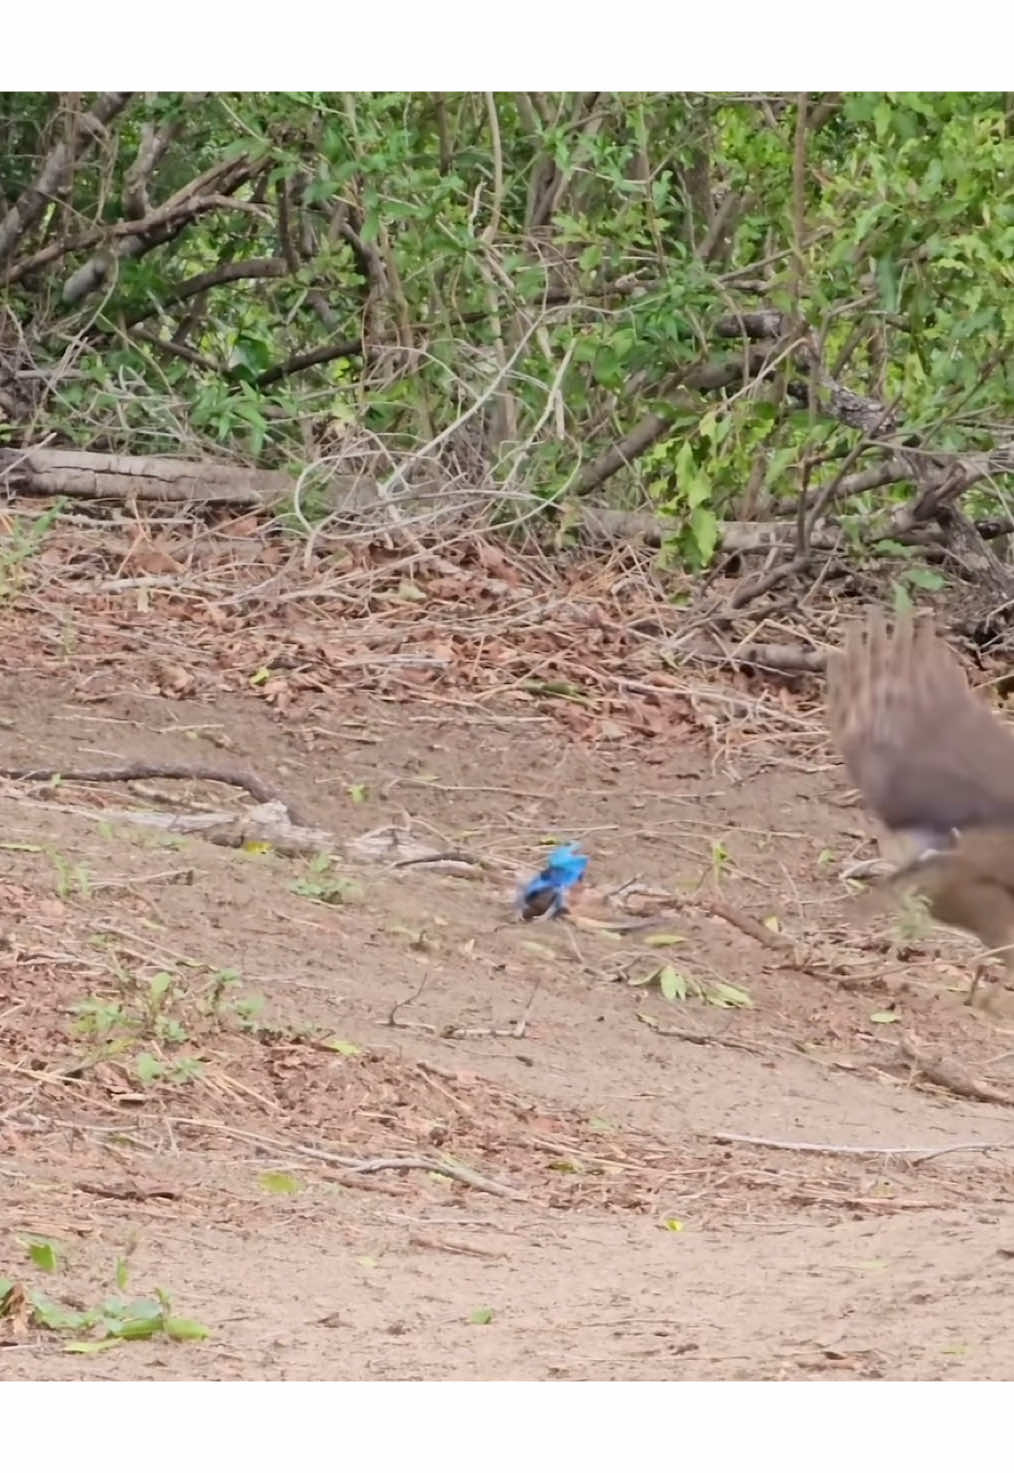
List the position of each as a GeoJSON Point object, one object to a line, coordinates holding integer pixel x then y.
{"type": "Point", "coordinates": [925, 752]}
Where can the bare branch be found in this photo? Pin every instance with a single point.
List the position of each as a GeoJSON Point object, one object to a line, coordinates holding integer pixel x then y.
{"type": "Point", "coordinates": [221, 275]}
{"type": "Point", "coordinates": [443, 133]}
{"type": "Point", "coordinates": [151, 150]}
{"type": "Point", "coordinates": [176, 350]}
{"type": "Point", "coordinates": [157, 227]}
{"type": "Point", "coordinates": [493, 223]}
{"type": "Point", "coordinates": [346, 348]}
{"type": "Point", "coordinates": [28, 209]}
{"type": "Point", "coordinates": [718, 374]}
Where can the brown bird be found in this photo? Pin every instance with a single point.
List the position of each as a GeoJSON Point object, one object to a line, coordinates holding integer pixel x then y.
{"type": "Point", "coordinates": [934, 764]}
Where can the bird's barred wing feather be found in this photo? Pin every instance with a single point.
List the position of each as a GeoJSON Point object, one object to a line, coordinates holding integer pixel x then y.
{"type": "Point", "coordinates": [925, 752]}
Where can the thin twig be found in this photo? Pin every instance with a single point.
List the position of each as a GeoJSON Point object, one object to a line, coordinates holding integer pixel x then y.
{"type": "Point", "coordinates": [919, 1153]}
{"type": "Point", "coordinates": [360, 1167]}
{"type": "Point", "coordinates": [689, 1035]}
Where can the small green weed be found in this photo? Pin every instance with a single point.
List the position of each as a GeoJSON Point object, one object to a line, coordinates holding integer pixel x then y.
{"type": "Point", "coordinates": [321, 883]}
{"type": "Point", "coordinates": [116, 1319]}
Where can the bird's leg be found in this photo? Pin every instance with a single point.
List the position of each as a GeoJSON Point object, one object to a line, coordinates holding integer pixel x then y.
{"type": "Point", "coordinates": [977, 976]}
{"type": "Point", "coordinates": [998, 997]}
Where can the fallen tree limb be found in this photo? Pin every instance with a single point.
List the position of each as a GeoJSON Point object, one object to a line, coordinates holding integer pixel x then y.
{"type": "Point", "coordinates": [85, 474]}
{"type": "Point", "coordinates": [195, 771]}
{"type": "Point", "coordinates": [90, 476]}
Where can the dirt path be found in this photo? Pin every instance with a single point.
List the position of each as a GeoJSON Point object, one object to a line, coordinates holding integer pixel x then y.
{"type": "Point", "coordinates": [194, 1047]}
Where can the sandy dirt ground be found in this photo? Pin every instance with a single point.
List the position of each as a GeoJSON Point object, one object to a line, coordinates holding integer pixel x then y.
{"type": "Point", "coordinates": [201, 1046]}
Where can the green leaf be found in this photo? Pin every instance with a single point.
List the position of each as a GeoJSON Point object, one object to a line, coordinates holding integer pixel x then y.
{"type": "Point", "coordinates": [182, 1329]}
{"type": "Point", "coordinates": [117, 1313]}
{"type": "Point", "coordinates": [342, 1046]}
{"type": "Point", "coordinates": [148, 1068]}
{"type": "Point", "coordinates": [924, 578]}
{"type": "Point", "coordinates": [704, 528]}
{"type": "Point", "coordinates": [888, 284]}
{"type": "Point", "coordinates": [480, 1317]}
{"type": "Point", "coordinates": [664, 938]}
{"type": "Point", "coordinates": [697, 491]}
{"type": "Point", "coordinates": [707, 427]}
{"type": "Point", "coordinates": [902, 601]}
{"type": "Point", "coordinates": [779, 464]}
{"type": "Point", "coordinates": [144, 1327]}
{"type": "Point", "coordinates": [725, 995]}
{"type": "Point", "coordinates": [53, 1316]}
{"type": "Point", "coordinates": [280, 1183]}
{"type": "Point", "coordinates": [371, 227]}
{"type": "Point", "coordinates": [44, 1255]}
{"type": "Point", "coordinates": [672, 984]}
{"type": "Point", "coordinates": [886, 1016]}
{"type": "Point", "coordinates": [90, 1347]}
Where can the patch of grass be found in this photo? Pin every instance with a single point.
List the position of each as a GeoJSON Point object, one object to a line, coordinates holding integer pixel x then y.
{"type": "Point", "coordinates": [913, 922]}
{"type": "Point", "coordinates": [321, 882]}
{"type": "Point", "coordinates": [71, 879]}
{"type": "Point", "coordinates": [151, 1020]}
{"type": "Point", "coordinates": [24, 538]}
{"type": "Point", "coordinates": [116, 1319]}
